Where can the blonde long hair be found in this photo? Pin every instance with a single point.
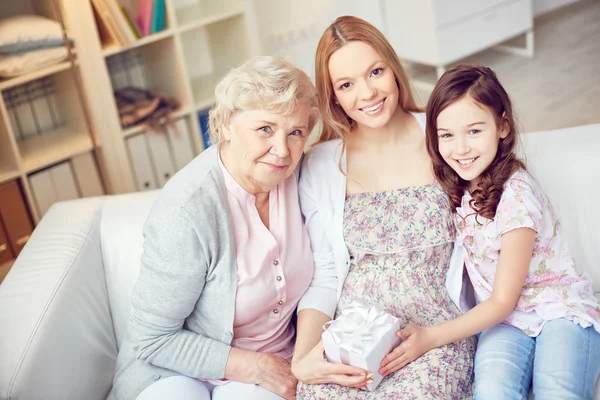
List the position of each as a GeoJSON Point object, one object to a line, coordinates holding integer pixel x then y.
{"type": "Point", "coordinates": [336, 124]}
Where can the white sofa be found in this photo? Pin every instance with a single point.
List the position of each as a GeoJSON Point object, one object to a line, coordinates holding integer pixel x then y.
{"type": "Point", "coordinates": [65, 303]}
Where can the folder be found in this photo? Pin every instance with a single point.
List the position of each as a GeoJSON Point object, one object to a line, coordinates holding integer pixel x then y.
{"type": "Point", "coordinates": [181, 145]}
{"type": "Point", "coordinates": [140, 161]}
{"type": "Point", "coordinates": [6, 253]}
{"type": "Point", "coordinates": [87, 176]}
{"type": "Point", "coordinates": [161, 157]}
{"type": "Point", "coordinates": [43, 190]}
{"type": "Point", "coordinates": [15, 216]}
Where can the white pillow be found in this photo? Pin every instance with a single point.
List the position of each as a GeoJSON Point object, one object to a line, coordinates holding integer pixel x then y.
{"type": "Point", "coordinates": [28, 32]}
{"type": "Point", "coordinates": [22, 63]}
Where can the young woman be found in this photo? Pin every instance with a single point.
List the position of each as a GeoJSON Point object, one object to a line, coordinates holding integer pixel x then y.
{"type": "Point", "coordinates": [539, 318]}
{"type": "Point", "coordinates": [380, 226]}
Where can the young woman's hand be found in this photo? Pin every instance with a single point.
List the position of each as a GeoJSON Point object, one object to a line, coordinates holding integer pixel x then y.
{"type": "Point", "coordinates": [416, 342]}
{"type": "Point", "coordinates": [314, 369]}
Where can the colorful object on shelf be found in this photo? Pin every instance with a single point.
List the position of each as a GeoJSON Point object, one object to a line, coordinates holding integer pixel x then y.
{"type": "Point", "coordinates": [203, 120]}
{"type": "Point", "coordinates": [158, 16]}
{"type": "Point", "coordinates": [144, 16]}
{"type": "Point", "coordinates": [134, 28]}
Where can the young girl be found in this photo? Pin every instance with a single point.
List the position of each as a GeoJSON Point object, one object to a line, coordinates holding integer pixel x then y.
{"type": "Point", "coordinates": [538, 317]}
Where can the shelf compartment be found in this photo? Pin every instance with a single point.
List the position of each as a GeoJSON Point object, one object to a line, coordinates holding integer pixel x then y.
{"type": "Point", "coordinates": [31, 76]}
{"type": "Point", "coordinates": [192, 14]}
{"type": "Point", "coordinates": [153, 67]}
{"type": "Point", "coordinates": [210, 52]}
{"type": "Point", "coordinates": [206, 12]}
{"type": "Point", "coordinates": [134, 130]}
{"type": "Point", "coordinates": [52, 147]}
{"type": "Point", "coordinates": [113, 49]}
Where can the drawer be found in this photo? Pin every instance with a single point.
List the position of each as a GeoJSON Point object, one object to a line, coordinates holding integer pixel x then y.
{"type": "Point", "coordinates": [447, 11]}
{"type": "Point", "coordinates": [484, 30]}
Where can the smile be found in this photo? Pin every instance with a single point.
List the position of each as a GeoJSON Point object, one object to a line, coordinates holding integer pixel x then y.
{"type": "Point", "coordinates": [275, 166]}
{"type": "Point", "coordinates": [374, 108]}
{"type": "Point", "coordinates": [467, 162]}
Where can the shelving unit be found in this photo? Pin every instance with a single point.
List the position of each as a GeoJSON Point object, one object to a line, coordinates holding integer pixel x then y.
{"type": "Point", "coordinates": [201, 40]}
{"type": "Point", "coordinates": [44, 126]}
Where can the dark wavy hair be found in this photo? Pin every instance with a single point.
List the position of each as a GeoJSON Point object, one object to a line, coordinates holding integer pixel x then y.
{"type": "Point", "coordinates": [484, 87]}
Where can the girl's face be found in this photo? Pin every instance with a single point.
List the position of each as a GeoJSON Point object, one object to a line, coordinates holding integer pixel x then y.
{"type": "Point", "coordinates": [468, 137]}
{"type": "Point", "coordinates": [363, 85]}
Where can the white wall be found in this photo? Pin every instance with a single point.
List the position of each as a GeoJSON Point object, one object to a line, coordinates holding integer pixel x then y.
{"type": "Point", "coordinates": [292, 28]}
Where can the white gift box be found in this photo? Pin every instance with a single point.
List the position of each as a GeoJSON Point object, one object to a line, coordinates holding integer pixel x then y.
{"type": "Point", "coordinates": [361, 337]}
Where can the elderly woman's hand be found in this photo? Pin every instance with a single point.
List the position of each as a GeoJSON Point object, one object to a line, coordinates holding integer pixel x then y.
{"type": "Point", "coordinates": [314, 369]}
{"type": "Point", "coordinates": [266, 370]}
{"type": "Point", "coordinates": [275, 374]}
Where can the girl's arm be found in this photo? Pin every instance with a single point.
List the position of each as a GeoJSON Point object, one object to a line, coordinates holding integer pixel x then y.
{"type": "Point", "coordinates": [513, 266]}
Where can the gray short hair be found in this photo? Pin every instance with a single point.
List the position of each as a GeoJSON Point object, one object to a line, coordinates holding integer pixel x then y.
{"type": "Point", "coordinates": [261, 83]}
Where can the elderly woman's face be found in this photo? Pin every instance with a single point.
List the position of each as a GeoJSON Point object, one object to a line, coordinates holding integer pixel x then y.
{"type": "Point", "coordinates": [263, 148]}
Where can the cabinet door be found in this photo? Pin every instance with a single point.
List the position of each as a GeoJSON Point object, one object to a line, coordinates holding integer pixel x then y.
{"type": "Point", "coordinates": [161, 156]}
{"type": "Point", "coordinates": [87, 176]}
{"type": "Point", "coordinates": [140, 161]}
{"type": "Point", "coordinates": [15, 216]}
{"type": "Point", "coordinates": [180, 140]}
{"type": "Point", "coordinates": [43, 190]}
{"type": "Point", "coordinates": [6, 253]}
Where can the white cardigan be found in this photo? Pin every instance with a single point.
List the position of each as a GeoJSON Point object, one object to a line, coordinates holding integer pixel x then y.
{"type": "Point", "coordinates": [322, 190]}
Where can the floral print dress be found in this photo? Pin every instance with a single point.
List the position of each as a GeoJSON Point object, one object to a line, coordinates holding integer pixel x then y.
{"type": "Point", "coordinates": [553, 288]}
{"type": "Point", "coordinates": [400, 243]}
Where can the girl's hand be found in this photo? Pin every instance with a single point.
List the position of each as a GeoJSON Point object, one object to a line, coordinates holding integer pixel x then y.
{"type": "Point", "coordinates": [416, 342]}
{"type": "Point", "coordinates": [314, 369]}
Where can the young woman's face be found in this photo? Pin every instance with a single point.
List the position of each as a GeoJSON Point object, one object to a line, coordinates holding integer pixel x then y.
{"type": "Point", "coordinates": [263, 148]}
{"type": "Point", "coordinates": [363, 85]}
{"type": "Point", "coordinates": [468, 137]}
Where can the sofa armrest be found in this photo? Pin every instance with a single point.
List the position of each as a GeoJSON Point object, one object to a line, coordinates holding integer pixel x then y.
{"type": "Point", "coordinates": [56, 335]}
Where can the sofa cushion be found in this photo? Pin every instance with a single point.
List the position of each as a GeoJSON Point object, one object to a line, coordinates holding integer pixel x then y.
{"type": "Point", "coordinates": [122, 220]}
{"type": "Point", "coordinates": [566, 163]}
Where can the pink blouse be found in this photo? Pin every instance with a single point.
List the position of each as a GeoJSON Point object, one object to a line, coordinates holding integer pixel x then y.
{"type": "Point", "coordinates": [274, 267]}
{"type": "Point", "coordinates": [554, 288]}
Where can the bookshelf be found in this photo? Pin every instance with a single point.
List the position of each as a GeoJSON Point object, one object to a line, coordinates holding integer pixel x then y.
{"type": "Point", "coordinates": [200, 41]}
{"type": "Point", "coordinates": [43, 119]}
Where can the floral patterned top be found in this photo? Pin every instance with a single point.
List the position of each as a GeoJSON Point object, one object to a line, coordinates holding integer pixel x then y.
{"type": "Point", "coordinates": [553, 287]}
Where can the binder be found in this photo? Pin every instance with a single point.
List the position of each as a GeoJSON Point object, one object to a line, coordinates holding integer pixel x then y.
{"type": "Point", "coordinates": [6, 253]}
{"type": "Point", "coordinates": [15, 216]}
{"type": "Point", "coordinates": [52, 185]}
{"type": "Point", "coordinates": [87, 176]}
{"type": "Point", "coordinates": [43, 190]}
{"type": "Point", "coordinates": [158, 16]}
{"type": "Point", "coordinates": [161, 157]}
{"type": "Point", "coordinates": [140, 161]}
{"type": "Point", "coordinates": [181, 145]}
{"type": "Point", "coordinates": [64, 182]}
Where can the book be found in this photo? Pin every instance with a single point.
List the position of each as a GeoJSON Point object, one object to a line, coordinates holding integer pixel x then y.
{"type": "Point", "coordinates": [144, 16]}
{"type": "Point", "coordinates": [131, 22]}
{"type": "Point", "coordinates": [158, 16]}
{"type": "Point", "coordinates": [109, 23]}
{"type": "Point", "coordinates": [115, 11]}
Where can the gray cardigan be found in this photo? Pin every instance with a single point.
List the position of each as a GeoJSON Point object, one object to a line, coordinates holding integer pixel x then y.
{"type": "Point", "coordinates": [181, 321]}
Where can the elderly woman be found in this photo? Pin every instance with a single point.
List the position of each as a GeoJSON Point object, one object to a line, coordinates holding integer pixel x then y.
{"type": "Point", "coordinates": [226, 257]}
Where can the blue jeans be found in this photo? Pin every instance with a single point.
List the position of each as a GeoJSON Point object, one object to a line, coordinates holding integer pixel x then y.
{"type": "Point", "coordinates": [563, 362]}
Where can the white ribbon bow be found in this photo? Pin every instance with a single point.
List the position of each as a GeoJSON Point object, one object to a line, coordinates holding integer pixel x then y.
{"type": "Point", "coordinates": [359, 325]}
